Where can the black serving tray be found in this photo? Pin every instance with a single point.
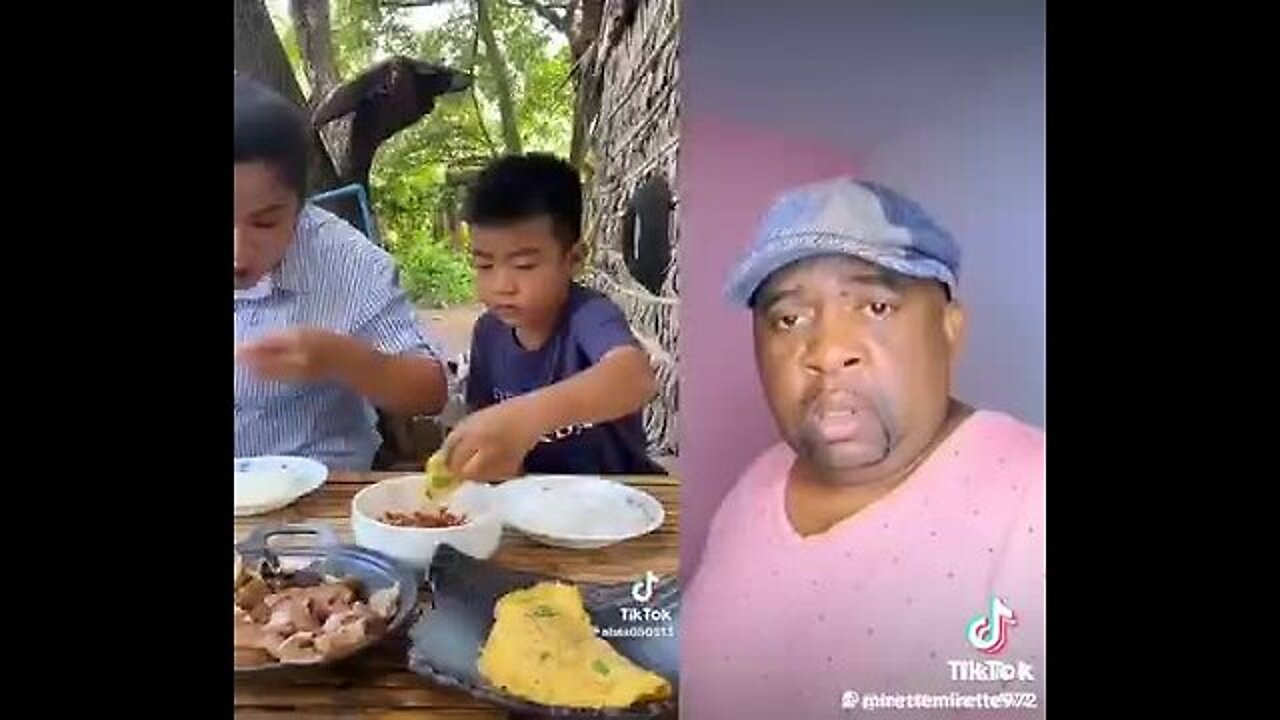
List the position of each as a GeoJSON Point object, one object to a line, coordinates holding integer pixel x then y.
{"type": "Point", "coordinates": [446, 638]}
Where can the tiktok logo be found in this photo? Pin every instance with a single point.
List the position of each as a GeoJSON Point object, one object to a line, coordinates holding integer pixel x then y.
{"type": "Point", "coordinates": [643, 589]}
{"type": "Point", "coordinates": [989, 631]}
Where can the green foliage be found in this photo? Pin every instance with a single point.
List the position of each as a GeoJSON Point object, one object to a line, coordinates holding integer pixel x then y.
{"type": "Point", "coordinates": [436, 275]}
{"type": "Point", "coordinates": [409, 181]}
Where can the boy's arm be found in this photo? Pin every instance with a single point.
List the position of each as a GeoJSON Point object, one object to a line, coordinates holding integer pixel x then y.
{"type": "Point", "coordinates": [492, 443]}
{"type": "Point", "coordinates": [616, 386]}
{"type": "Point", "coordinates": [619, 381]}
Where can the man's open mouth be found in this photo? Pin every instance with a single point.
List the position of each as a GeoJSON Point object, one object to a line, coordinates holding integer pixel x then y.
{"type": "Point", "coordinates": [837, 416]}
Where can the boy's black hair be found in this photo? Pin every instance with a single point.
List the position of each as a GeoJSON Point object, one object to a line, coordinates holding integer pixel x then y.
{"type": "Point", "coordinates": [521, 187]}
{"type": "Point", "coordinates": [270, 129]}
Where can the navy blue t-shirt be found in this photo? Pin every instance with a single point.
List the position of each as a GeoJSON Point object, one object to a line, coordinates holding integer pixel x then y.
{"type": "Point", "coordinates": [590, 326]}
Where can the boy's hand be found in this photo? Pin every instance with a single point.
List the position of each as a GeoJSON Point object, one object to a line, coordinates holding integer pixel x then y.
{"type": "Point", "coordinates": [490, 444]}
{"type": "Point", "coordinates": [297, 355]}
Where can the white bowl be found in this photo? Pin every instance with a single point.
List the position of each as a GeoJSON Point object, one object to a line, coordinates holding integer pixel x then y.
{"type": "Point", "coordinates": [478, 537]}
{"type": "Point", "coordinates": [578, 511]}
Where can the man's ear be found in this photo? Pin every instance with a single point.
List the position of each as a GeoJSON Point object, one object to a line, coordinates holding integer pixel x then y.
{"type": "Point", "coordinates": [954, 327]}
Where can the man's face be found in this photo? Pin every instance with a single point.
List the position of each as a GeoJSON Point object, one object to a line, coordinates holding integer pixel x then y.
{"type": "Point", "coordinates": [522, 270]}
{"type": "Point", "coordinates": [856, 364]}
{"type": "Point", "coordinates": [266, 212]}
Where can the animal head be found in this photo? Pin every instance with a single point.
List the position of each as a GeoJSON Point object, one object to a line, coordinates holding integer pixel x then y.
{"type": "Point", "coordinates": [403, 88]}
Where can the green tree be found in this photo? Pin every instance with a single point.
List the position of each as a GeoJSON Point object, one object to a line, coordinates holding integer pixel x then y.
{"type": "Point", "coordinates": [419, 175]}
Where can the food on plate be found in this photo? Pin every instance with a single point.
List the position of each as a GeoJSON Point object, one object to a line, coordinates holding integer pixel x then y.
{"type": "Point", "coordinates": [543, 648]}
{"type": "Point", "coordinates": [437, 518]}
{"type": "Point", "coordinates": [440, 482]}
{"type": "Point", "coordinates": [301, 618]}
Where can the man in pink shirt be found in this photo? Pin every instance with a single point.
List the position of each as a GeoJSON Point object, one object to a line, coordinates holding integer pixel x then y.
{"type": "Point", "coordinates": [888, 557]}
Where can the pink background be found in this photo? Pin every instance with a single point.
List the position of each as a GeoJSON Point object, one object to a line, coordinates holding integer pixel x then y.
{"type": "Point", "coordinates": [941, 100]}
{"type": "Point", "coordinates": [730, 173]}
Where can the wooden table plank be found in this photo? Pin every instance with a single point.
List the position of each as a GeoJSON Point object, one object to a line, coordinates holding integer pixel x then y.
{"type": "Point", "coordinates": [377, 684]}
{"type": "Point", "coordinates": [370, 714]}
{"type": "Point", "coordinates": [306, 697]}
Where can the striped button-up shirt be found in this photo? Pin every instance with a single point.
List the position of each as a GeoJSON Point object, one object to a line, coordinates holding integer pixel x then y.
{"type": "Point", "coordinates": [333, 278]}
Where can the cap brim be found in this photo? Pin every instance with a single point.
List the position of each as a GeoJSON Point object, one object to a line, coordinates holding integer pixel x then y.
{"type": "Point", "coordinates": [756, 268]}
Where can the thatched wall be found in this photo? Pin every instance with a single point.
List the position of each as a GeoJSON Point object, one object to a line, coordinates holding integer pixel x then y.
{"type": "Point", "coordinates": [634, 136]}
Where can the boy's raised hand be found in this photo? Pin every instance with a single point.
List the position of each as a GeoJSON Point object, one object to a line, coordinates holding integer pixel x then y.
{"type": "Point", "coordinates": [490, 444]}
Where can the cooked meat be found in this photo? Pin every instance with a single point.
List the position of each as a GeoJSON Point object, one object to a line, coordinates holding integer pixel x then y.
{"type": "Point", "coordinates": [330, 594]}
{"type": "Point", "coordinates": [438, 519]}
{"type": "Point", "coordinates": [252, 593]}
{"type": "Point", "coordinates": [290, 613]}
{"type": "Point", "coordinates": [324, 600]}
{"type": "Point", "coordinates": [383, 602]}
{"type": "Point", "coordinates": [248, 634]}
{"type": "Point", "coordinates": [302, 617]}
{"type": "Point", "coordinates": [260, 613]}
{"type": "Point", "coordinates": [343, 632]}
{"type": "Point", "coordinates": [299, 649]}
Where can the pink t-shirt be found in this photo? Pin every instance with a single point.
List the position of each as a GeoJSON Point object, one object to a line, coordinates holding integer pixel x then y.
{"type": "Point", "coordinates": [777, 626]}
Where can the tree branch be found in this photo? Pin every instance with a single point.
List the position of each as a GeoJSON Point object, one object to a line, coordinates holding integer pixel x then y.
{"type": "Point", "coordinates": [584, 25]}
{"type": "Point", "coordinates": [311, 23]}
{"type": "Point", "coordinates": [547, 11]}
{"type": "Point", "coordinates": [475, 97]}
{"type": "Point", "coordinates": [501, 80]}
{"type": "Point", "coordinates": [411, 3]}
{"type": "Point", "coordinates": [484, 129]}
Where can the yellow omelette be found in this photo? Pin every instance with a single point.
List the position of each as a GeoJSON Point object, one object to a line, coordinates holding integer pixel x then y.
{"type": "Point", "coordinates": [543, 648]}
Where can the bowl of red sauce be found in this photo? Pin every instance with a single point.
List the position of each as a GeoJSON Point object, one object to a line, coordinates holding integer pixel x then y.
{"type": "Point", "coordinates": [395, 517]}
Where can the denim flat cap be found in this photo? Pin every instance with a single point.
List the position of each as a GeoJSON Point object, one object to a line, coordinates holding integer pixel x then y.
{"type": "Point", "coordinates": [850, 217]}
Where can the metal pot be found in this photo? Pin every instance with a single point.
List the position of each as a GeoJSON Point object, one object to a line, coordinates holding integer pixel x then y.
{"type": "Point", "coordinates": [328, 556]}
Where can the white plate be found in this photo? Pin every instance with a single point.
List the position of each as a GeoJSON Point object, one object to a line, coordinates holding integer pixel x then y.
{"type": "Point", "coordinates": [578, 511]}
{"type": "Point", "coordinates": [290, 478]}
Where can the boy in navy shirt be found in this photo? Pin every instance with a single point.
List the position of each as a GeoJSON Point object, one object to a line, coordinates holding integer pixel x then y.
{"type": "Point", "coordinates": [557, 381]}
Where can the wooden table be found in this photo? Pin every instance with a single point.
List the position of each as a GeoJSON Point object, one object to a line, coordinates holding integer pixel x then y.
{"type": "Point", "coordinates": [377, 684]}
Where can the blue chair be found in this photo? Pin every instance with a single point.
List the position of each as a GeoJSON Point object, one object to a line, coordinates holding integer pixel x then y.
{"type": "Point", "coordinates": [370, 229]}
